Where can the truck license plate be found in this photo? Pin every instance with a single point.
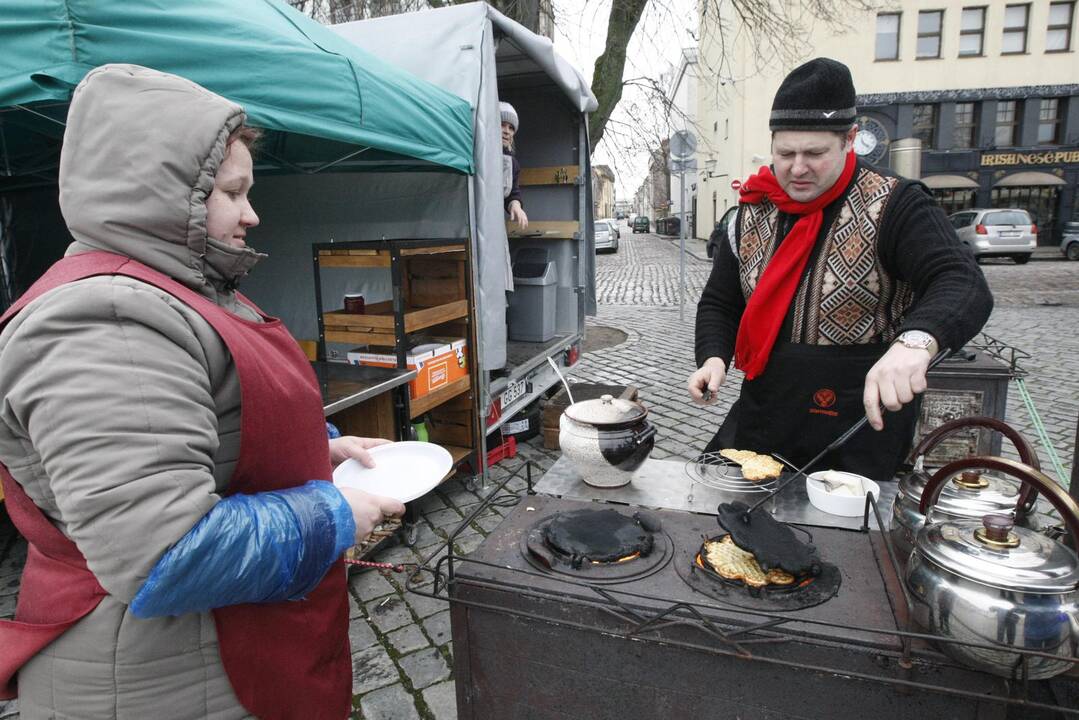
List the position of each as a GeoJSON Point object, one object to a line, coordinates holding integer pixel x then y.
{"type": "Point", "coordinates": [513, 391]}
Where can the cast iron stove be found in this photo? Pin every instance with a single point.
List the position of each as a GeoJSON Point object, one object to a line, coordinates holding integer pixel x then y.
{"type": "Point", "coordinates": [550, 636]}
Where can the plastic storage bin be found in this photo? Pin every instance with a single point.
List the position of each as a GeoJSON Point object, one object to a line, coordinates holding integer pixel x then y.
{"type": "Point", "coordinates": [532, 303]}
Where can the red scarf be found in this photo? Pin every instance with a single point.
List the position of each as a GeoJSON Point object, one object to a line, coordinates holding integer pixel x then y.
{"type": "Point", "coordinates": [770, 300]}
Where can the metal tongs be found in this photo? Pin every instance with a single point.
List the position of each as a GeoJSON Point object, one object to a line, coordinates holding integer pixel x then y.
{"type": "Point", "coordinates": [837, 443]}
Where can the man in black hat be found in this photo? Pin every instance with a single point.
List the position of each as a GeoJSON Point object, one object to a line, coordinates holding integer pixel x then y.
{"type": "Point", "coordinates": [840, 283]}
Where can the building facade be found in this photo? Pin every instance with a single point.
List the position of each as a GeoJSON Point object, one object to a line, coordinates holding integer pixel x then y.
{"type": "Point", "coordinates": [989, 88]}
{"type": "Point", "coordinates": [602, 192]}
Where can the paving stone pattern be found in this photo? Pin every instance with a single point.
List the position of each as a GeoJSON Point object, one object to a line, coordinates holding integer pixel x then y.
{"type": "Point", "coordinates": [402, 655]}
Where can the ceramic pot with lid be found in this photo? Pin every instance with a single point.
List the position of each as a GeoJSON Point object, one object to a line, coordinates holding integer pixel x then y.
{"type": "Point", "coordinates": [606, 439]}
{"type": "Point", "coordinates": [968, 495]}
{"type": "Point", "coordinates": [997, 587]}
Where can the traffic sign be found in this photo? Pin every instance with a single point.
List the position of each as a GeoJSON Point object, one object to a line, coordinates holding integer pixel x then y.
{"type": "Point", "coordinates": [736, 184]}
{"type": "Point", "coordinates": [683, 145]}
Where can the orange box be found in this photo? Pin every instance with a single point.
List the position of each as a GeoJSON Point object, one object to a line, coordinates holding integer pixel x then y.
{"type": "Point", "coordinates": [437, 364]}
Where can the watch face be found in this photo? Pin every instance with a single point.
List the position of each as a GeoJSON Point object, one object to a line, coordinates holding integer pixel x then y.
{"type": "Point", "coordinates": [872, 140]}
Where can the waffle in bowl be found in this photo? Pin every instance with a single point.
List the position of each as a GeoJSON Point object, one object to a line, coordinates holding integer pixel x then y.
{"type": "Point", "coordinates": [734, 563]}
{"type": "Point", "coordinates": [755, 467]}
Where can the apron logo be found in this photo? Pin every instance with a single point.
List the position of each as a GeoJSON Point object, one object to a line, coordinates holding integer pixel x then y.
{"type": "Point", "coordinates": [824, 398]}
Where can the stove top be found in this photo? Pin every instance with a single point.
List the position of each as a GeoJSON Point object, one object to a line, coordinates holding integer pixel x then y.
{"type": "Point", "coordinates": [667, 575]}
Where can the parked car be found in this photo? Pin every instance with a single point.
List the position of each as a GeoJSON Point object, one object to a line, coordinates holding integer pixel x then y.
{"type": "Point", "coordinates": [614, 225]}
{"type": "Point", "coordinates": [606, 236]}
{"type": "Point", "coordinates": [640, 224]}
{"type": "Point", "coordinates": [1069, 243]}
{"type": "Point", "coordinates": [721, 232]}
{"type": "Point", "coordinates": [997, 232]}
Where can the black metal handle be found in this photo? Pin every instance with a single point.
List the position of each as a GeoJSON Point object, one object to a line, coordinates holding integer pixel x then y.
{"type": "Point", "coordinates": [645, 435]}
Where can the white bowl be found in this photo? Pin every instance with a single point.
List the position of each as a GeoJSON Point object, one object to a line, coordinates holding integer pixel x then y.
{"type": "Point", "coordinates": [836, 503]}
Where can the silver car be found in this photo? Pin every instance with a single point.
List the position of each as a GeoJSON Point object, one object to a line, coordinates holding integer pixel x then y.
{"type": "Point", "coordinates": [1003, 232]}
{"type": "Point", "coordinates": [606, 236]}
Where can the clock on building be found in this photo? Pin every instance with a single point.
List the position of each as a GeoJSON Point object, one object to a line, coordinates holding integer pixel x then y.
{"type": "Point", "coordinates": [871, 142]}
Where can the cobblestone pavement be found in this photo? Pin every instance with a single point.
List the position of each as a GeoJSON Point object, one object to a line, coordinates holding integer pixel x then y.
{"type": "Point", "coordinates": [402, 655]}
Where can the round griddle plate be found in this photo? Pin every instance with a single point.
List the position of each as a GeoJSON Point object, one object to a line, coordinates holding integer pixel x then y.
{"type": "Point", "coordinates": [823, 588]}
{"type": "Point", "coordinates": [598, 535]}
{"type": "Point", "coordinates": [539, 555]}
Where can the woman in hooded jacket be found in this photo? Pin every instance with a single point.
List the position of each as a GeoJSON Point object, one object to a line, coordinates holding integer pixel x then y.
{"type": "Point", "coordinates": [163, 445]}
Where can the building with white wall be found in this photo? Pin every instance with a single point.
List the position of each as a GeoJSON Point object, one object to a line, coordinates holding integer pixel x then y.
{"type": "Point", "coordinates": [991, 88]}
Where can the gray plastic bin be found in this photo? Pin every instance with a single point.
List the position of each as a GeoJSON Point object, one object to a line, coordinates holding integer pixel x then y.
{"type": "Point", "coordinates": [532, 303]}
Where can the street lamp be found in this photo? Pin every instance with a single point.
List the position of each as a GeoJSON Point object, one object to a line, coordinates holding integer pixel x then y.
{"type": "Point", "coordinates": [709, 170]}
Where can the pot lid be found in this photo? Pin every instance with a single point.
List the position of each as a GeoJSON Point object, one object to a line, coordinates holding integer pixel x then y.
{"type": "Point", "coordinates": [606, 411]}
{"type": "Point", "coordinates": [993, 552]}
{"type": "Point", "coordinates": [967, 495]}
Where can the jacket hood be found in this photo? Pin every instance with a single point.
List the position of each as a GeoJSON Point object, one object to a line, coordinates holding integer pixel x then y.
{"type": "Point", "coordinates": [138, 161]}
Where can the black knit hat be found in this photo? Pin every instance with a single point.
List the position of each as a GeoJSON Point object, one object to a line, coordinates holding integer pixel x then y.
{"type": "Point", "coordinates": [818, 95]}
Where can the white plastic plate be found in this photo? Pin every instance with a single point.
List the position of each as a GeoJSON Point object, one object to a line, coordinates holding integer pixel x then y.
{"type": "Point", "coordinates": [403, 470]}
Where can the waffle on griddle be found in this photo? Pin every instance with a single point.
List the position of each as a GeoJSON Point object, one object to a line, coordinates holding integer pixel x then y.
{"type": "Point", "coordinates": [755, 467]}
{"type": "Point", "coordinates": [734, 563]}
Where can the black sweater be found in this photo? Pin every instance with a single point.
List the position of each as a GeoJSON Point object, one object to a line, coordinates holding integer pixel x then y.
{"type": "Point", "coordinates": [916, 244]}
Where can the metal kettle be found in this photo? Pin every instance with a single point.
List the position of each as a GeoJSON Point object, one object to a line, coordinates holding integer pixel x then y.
{"type": "Point", "coordinates": [967, 496]}
{"type": "Point", "coordinates": [991, 589]}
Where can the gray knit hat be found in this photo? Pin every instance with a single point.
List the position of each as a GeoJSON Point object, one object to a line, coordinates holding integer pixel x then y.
{"type": "Point", "coordinates": [509, 115]}
{"type": "Point", "coordinates": [818, 95]}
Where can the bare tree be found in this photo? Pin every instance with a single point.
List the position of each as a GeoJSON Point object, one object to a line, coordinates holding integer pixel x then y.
{"type": "Point", "coordinates": [536, 15]}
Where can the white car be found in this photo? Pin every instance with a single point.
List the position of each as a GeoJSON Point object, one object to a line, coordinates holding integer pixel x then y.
{"type": "Point", "coordinates": [1004, 232]}
{"type": "Point", "coordinates": [606, 236]}
{"type": "Point", "coordinates": [613, 223]}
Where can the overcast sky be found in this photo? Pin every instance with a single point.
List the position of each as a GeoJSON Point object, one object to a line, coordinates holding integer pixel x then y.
{"type": "Point", "coordinates": [666, 27]}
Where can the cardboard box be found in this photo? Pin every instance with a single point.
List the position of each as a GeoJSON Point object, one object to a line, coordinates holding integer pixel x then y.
{"type": "Point", "coordinates": [437, 363]}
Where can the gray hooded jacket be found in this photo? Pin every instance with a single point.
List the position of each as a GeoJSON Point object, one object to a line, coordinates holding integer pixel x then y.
{"type": "Point", "coordinates": [121, 406]}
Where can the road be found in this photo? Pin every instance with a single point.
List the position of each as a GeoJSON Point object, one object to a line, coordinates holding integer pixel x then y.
{"type": "Point", "coordinates": [402, 655]}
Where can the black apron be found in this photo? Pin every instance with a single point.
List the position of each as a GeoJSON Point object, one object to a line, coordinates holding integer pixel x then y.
{"type": "Point", "coordinates": [807, 396]}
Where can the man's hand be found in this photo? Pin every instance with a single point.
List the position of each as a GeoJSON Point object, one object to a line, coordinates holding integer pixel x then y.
{"type": "Point", "coordinates": [349, 446]}
{"type": "Point", "coordinates": [894, 381]}
{"type": "Point", "coordinates": [370, 511]}
{"type": "Point", "coordinates": [704, 383]}
{"type": "Point", "coordinates": [517, 214]}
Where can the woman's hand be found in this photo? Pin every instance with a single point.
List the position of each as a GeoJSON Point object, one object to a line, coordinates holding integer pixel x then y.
{"type": "Point", "coordinates": [704, 383]}
{"type": "Point", "coordinates": [350, 446]}
{"type": "Point", "coordinates": [369, 511]}
{"type": "Point", "coordinates": [517, 214]}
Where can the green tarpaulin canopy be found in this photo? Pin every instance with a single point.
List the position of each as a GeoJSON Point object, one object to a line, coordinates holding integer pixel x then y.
{"type": "Point", "coordinates": [291, 74]}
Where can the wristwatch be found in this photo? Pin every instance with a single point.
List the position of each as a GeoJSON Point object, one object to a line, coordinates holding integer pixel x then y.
{"type": "Point", "coordinates": [918, 340]}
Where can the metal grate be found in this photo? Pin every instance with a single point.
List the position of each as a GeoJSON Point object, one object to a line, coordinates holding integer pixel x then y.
{"type": "Point", "coordinates": [720, 473]}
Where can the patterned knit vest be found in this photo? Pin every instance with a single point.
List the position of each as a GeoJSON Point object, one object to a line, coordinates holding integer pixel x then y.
{"type": "Point", "coordinates": [845, 297]}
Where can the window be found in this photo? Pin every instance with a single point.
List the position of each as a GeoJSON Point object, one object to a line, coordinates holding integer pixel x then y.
{"type": "Point", "coordinates": [887, 36]}
{"type": "Point", "coordinates": [963, 132]}
{"type": "Point", "coordinates": [1015, 29]}
{"type": "Point", "coordinates": [971, 31]}
{"type": "Point", "coordinates": [1058, 38]}
{"type": "Point", "coordinates": [1049, 121]}
{"type": "Point", "coordinates": [1007, 123]}
{"type": "Point", "coordinates": [925, 124]}
{"type": "Point", "coordinates": [929, 22]}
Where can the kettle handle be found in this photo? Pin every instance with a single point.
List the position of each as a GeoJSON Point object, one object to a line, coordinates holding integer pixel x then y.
{"type": "Point", "coordinates": [1026, 453]}
{"type": "Point", "coordinates": [1028, 495]}
{"type": "Point", "coordinates": [1030, 477]}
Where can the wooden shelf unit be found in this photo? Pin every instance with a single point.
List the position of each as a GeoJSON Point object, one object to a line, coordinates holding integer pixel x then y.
{"type": "Point", "coordinates": [432, 285]}
{"type": "Point", "coordinates": [377, 325]}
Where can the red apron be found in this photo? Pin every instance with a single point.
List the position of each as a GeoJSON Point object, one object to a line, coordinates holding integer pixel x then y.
{"type": "Point", "coordinates": [283, 659]}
